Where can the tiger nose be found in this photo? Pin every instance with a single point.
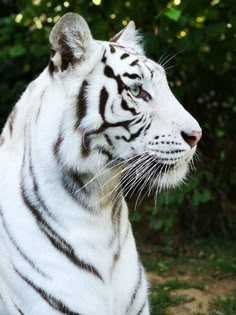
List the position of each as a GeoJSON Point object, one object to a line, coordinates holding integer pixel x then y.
{"type": "Point", "coordinates": [192, 138]}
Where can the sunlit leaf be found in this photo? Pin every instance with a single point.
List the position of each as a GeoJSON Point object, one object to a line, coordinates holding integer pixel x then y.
{"type": "Point", "coordinates": [173, 14]}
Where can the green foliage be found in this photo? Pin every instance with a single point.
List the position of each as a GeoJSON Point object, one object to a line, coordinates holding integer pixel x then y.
{"type": "Point", "coordinates": [199, 40]}
{"type": "Point", "coordinates": [224, 306]}
{"type": "Point", "coordinates": [201, 266]}
{"type": "Point", "coordinates": [173, 14]}
{"type": "Point", "coordinates": [212, 257]}
{"type": "Point", "coordinates": [161, 298]}
{"type": "Point", "coordinates": [173, 284]}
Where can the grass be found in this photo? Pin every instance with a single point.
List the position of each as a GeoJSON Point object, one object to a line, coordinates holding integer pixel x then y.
{"type": "Point", "coordinates": [161, 298]}
{"type": "Point", "coordinates": [222, 306]}
{"type": "Point", "coordinates": [174, 284]}
{"type": "Point", "coordinates": [204, 260]}
{"type": "Point", "coordinates": [215, 255]}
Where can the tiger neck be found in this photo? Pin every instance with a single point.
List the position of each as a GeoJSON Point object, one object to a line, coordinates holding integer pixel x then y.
{"type": "Point", "coordinates": [97, 190]}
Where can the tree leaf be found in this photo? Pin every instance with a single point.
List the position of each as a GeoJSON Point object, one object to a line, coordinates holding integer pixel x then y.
{"type": "Point", "coordinates": [17, 50]}
{"type": "Point", "coordinates": [173, 14]}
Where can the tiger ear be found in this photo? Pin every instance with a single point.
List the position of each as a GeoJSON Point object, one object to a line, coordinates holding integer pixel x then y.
{"type": "Point", "coordinates": [129, 37]}
{"type": "Point", "coordinates": [70, 39]}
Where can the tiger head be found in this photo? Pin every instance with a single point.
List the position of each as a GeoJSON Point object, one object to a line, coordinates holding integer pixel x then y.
{"type": "Point", "coordinates": [120, 106]}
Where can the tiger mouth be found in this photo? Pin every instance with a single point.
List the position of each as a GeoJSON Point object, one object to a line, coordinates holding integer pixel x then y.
{"type": "Point", "coordinates": [139, 177]}
{"type": "Point", "coordinates": [152, 161]}
{"type": "Point", "coordinates": [149, 166]}
{"type": "Point", "coordinates": [158, 168]}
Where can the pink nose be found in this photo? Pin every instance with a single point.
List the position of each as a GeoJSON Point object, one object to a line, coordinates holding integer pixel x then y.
{"type": "Point", "coordinates": [192, 138]}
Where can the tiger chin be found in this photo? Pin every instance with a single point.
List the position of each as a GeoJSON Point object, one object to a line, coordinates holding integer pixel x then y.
{"type": "Point", "coordinates": [99, 118]}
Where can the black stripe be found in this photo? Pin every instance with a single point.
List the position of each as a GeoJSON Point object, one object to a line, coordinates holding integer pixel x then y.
{"type": "Point", "coordinates": [142, 308]}
{"type": "Point", "coordinates": [104, 58]}
{"type": "Point", "coordinates": [147, 127]}
{"type": "Point", "coordinates": [112, 49]}
{"type": "Point", "coordinates": [51, 300]}
{"type": "Point", "coordinates": [84, 149]}
{"type": "Point", "coordinates": [125, 106]}
{"type": "Point", "coordinates": [51, 67]}
{"type": "Point", "coordinates": [108, 71]}
{"type": "Point", "coordinates": [151, 71]}
{"type": "Point", "coordinates": [40, 105]}
{"type": "Point", "coordinates": [139, 120]}
{"type": "Point", "coordinates": [105, 125]}
{"type": "Point", "coordinates": [116, 37]}
{"type": "Point", "coordinates": [85, 145]}
{"type": "Point", "coordinates": [116, 217]}
{"type": "Point", "coordinates": [102, 102]}
{"type": "Point", "coordinates": [18, 309]}
{"type": "Point", "coordinates": [125, 55]}
{"type": "Point", "coordinates": [56, 147]}
{"type": "Point", "coordinates": [37, 195]}
{"type": "Point", "coordinates": [137, 287]}
{"type": "Point", "coordinates": [72, 182]}
{"type": "Point", "coordinates": [81, 108]}
{"type": "Point", "coordinates": [56, 240]}
{"type": "Point", "coordinates": [134, 135]}
{"type": "Point", "coordinates": [74, 186]}
{"type": "Point", "coordinates": [132, 76]}
{"type": "Point", "coordinates": [134, 63]}
{"type": "Point", "coordinates": [75, 178]}
{"type": "Point", "coordinates": [104, 152]}
{"type": "Point", "coordinates": [108, 139]}
{"type": "Point", "coordinates": [14, 243]}
{"type": "Point", "coordinates": [38, 113]}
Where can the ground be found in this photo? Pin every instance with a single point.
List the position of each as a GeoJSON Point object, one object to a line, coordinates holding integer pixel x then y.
{"type": "Point", "coordinates": [195, 280]}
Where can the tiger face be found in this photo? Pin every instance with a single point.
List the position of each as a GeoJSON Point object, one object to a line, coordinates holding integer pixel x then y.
{"type": "Point", "coordinates": [124, 107]}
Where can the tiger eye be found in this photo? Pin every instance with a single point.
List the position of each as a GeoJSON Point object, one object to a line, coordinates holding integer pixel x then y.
{"type": "Point", "coordinates": [135, 89]}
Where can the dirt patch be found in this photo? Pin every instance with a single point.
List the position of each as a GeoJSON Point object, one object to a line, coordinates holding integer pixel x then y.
{"type": "Point", "coordinates": [196, 300]}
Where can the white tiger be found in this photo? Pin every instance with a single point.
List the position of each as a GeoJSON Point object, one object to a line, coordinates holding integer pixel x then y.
{"type": "Point", "coordinates": [100, 115]}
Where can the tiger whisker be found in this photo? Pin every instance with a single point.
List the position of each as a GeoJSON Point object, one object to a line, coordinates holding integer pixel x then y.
{"type": "Point", "coordinates": [170, 67]}
{"type": "Point", "coordinates": [170, 58]}
{"type": "Point", "coordinates": [105, 169]}
{"type": "Point", "coordinates": [112, 191]}
{"type": "Point", "coordinates": [124, 162]}
{"type": "Point", "coordinates": [163, 58]}
{"type": "Point", "coordinates": [143, 167]}
{"type": "Point", "coordinates": [125, 181]}
{"type": "Point", "coordinates": [143, 186]}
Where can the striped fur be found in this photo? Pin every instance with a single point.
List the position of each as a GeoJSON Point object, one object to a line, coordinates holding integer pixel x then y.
{"type": "Point", "coordinates": [99, 119]}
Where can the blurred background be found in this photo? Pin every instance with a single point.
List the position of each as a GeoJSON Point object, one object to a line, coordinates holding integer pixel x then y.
{"type": "Point", "coordinates": [197, 42]}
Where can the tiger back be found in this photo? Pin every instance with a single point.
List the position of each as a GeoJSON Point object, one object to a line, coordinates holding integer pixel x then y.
{"type": "Point", "coordinates": [98, 119]}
